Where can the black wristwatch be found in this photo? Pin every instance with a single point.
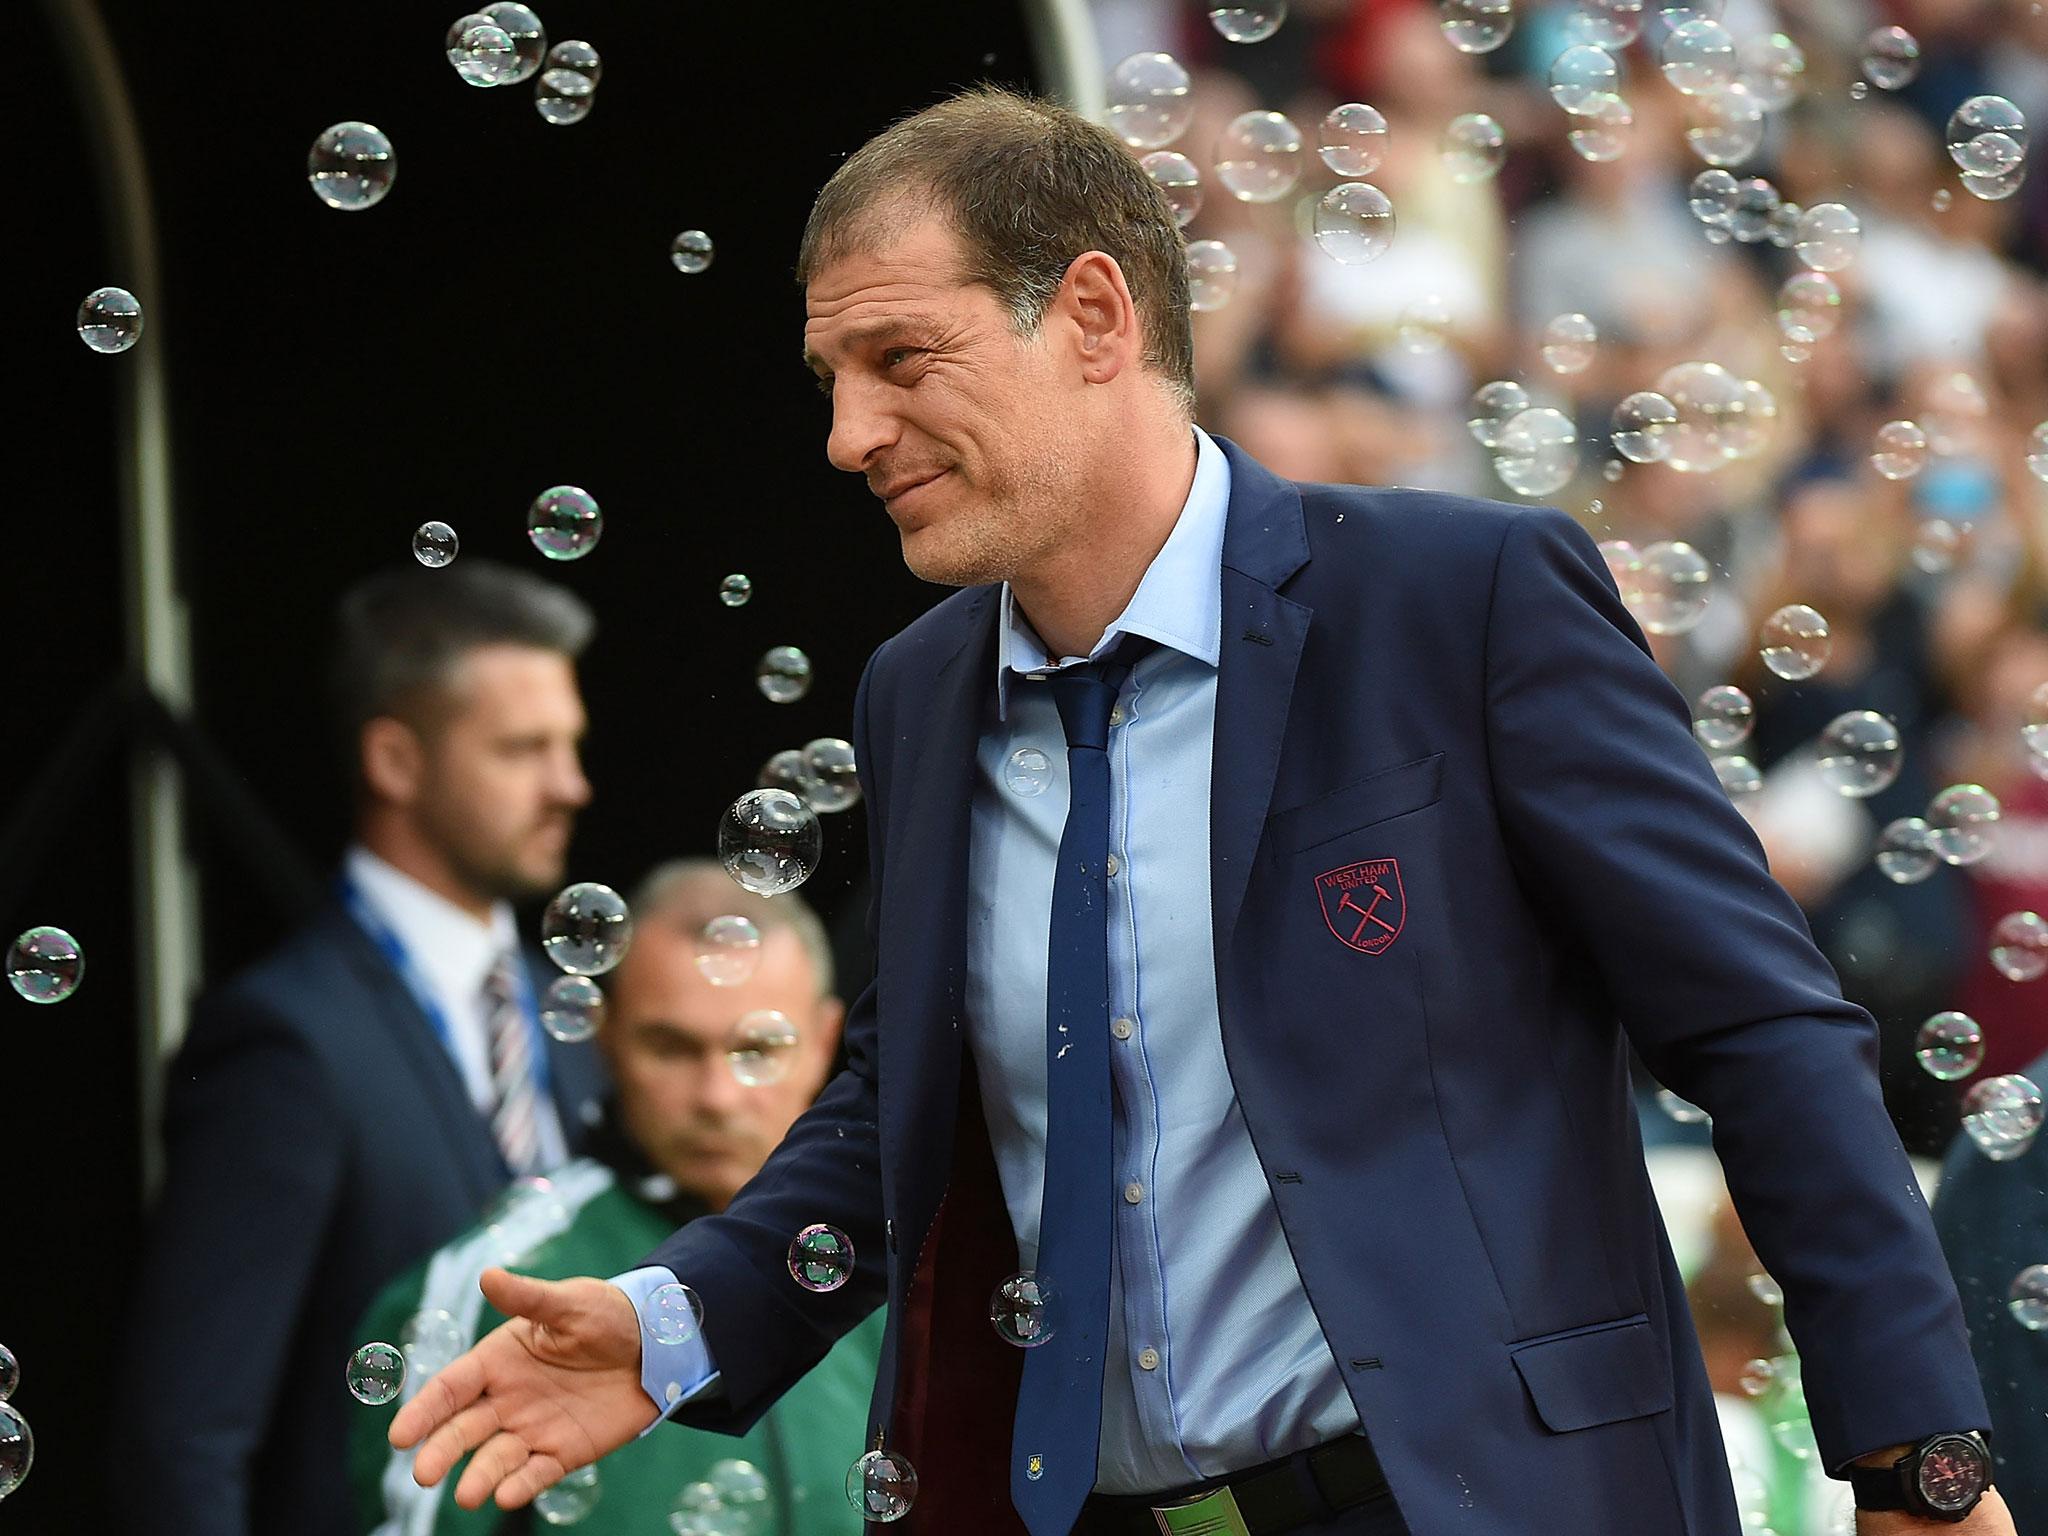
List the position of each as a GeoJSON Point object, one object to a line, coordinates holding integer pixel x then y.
{"type": "Point", "coordinates": [1941, 1478]}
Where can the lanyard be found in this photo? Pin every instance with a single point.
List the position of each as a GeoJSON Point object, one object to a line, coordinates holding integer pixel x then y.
{"type": "Point", "coordinates": [393, 950]}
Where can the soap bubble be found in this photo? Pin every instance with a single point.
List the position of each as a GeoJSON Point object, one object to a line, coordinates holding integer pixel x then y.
{"type": "Point", "coordinates": [564, 522]}
{"type": "Point", "coordinates": [376, 1372]}
{"type": "Point", "coordinates": [1708, 400]}
{"type": "Point", "coordinates": [882, 1485]}
{"type": "Point", "coordinates": [561, 107]}
{"type": "Point", "coordinates": [528, 36]}
{"type": "Point", "coordinates": [1580, 72]}
{"type": "Point", "coordinates": [769, 841]}
{"type": "Point", "coordinates": [1424, 324]}
{"type": "Point", "coordinates": [1684, 1111]}
{"type": "Point", "coordinates": [2002, 1115]}
{"type": "Point", "coordinates": [739, 1485]}
{"type": "Point", "coordinates": [1905, 851]}
{"type": "Point", "coordinates": [1757, 211]}
{"type": "Point", "coordinates": [1784, 226]}
{"type": "Point", "coordinates": [1699, 55]}
{"type": "Point", "coordinates": [1936, 542]}
{"type": "Point", "coordinates": [1758, 1377]}
{"type": "Point", "coordinates": [691, 251]}
{"type": "Point", "coordinates": [482, 52]}
{"type": "Point", "coordinates": [1891, 58]}
{"type": "Point", "coordinates": [2019, 946]}
{"type": "Point", "coordinates": [434, 544]}
{"type": "Point", "coordinates": [1676, 584]}
{"type": "Point", "coordinates": [1900, 451]}
{"type": "Point", "coordinates": [351, 166]}
{"type": "Point", "coordinates": [821, 1258]}
{"type": "Point", "coordinates": [1723, 718]}
{"type": "Point", "coordinates": [1248, 23]}
{"type": "Point", "coordinates": [1640, 425]}
{"type": "Point", "coordinates": [1600, 128]}
{"type": "Point", "coordinates": [1959, 822]}
{"type": "Point", "coordinates": [1724, 125]}
{"type": "Point", "coordinates": [573, 1009]}
{"type": "Point", "coordinates": [785, 770]}
{"type": "Point", "coordinates": [1995, 187]}
{"type": "Point", "coordinates": [1795, 642]}
{"type": "Point", "coordinates": [761, 1046]}
{"type": "Point", "coordinates": [783, 675]}
{"type": "Point", "coordinates": [433, 1338]}
{"type": "Point", "coordinates": [1474, 147]}
{"type": "Point", "coordinates": [570, 1498]}
{"type": "Point", "coordinates": [1354, 139]}
{"type": "Point", "coordinates": [735, 590]}
{"type": "Point", "coordinates": [1212, 274]}
{"type": "Point", "coordinates": [110, 320]}
{"type": "Point", "coordinates": [1828, 237]}
{"type": "Point", "coordinates": [1766, 1290]}
{"type": "Point", "coordinates": [1354, 223]}
{"type": "Point", "coordinates": [831, 780]}
{"type": "Point", "coordinates": [573, 68]}
{"type": "Point", "coordinates": [728, 949]}
{"type": "Point", "coordinates": [1950, 1046]}
{"type": "Point", "coordinates": [1149, 104]}
{"type": "Point", "coordinates": [1711, 196]}
{"type": "Point", "coordinates": [10, 1373]}
{"type": "Point", "coordinates": [1538, 452]}
{"type": "Point", "coordinates": [1625, 565]}
{"type": "Point", "coordinates": [1476, 26]}
{"type": "Point", "coordinates": [2027, 1299]}
{"type": "Point", "coordinates": [1739, 776]}
{"type": "Point", "coordinates": [1493, 406]}
{"type": "Point", "coordinates": [1987, 136]}
{"type": "Point", "coordinates": [1021, 1310]}
{"type": "Point", "coordinates": [1773, 69]}
{"type": "Point", "coordinates": [1175, 175]}
{"type": "Point", "coordinates": [1028, 772]}
{"type": "Point", "coordinates": [1608, 24]}
{"type": "Point", "coordinates": [1809, 307]}
{"type": "Point", "coordinates": [2035, 731]}
{"type": "Point", "coordinates": [17, 1448]}
{"type": "Point", "coordinates": [1861, 754]}
{"type": "Point", "coordinates": [1258, 157]}
{"type": "Point", "coordinates": [586, 930]}
{"type": "Point", "coordinates": [45, 965]}
{"type": "Point", "coordinates": [674, 1314]}
{"type": "Point", "coordinates": [1569, 342]}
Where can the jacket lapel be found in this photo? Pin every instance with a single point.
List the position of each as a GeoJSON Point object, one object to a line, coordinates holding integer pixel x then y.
{"type": "Point", "coordinates": [1264, 544]}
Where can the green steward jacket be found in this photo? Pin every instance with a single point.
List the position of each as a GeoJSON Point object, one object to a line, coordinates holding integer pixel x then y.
{"type": "Point", "coordinates": [601, 1216]}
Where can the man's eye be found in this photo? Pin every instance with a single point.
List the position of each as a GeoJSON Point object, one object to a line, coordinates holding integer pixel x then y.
{"type": "Point", "coordinates": [896, 355]}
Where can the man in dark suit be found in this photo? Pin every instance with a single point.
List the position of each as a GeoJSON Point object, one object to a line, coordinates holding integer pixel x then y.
{"type": "Point", "coordinates": [351, 1102]}
{"type": "Point", "coordinates": [1993, 1220]}
{"type": "Point", "coordinates": [1265, 875]}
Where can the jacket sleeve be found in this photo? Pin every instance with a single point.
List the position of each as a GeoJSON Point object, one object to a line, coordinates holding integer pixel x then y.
{"type": "Point", "coordinates": [1612, 810]}
{"type": "Point", "coordinates": [764, 1331]}
{"type": "Point", "coordinates": [254, 1159]}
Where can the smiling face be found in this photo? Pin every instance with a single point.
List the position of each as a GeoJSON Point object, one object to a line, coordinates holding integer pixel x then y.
{"type": "Point", "coordinates": [960, 424]}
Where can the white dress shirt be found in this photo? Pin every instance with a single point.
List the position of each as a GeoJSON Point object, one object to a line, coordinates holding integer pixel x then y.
{"type": "Point", "coordinates": [453, 954]}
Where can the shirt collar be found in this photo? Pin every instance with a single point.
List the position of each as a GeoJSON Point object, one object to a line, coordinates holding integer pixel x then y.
{"type": "Point", "coordinates": [1179, 603]}
{"type": "Point", "coordinates": [454, 952]}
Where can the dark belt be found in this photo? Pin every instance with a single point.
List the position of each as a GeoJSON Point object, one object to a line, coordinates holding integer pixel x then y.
{"type": "Point", "coordinates": [1279, 1496]}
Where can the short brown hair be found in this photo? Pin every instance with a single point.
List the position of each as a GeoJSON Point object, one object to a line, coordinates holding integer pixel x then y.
{"type": "Point", "coordinates": [1028, 186]}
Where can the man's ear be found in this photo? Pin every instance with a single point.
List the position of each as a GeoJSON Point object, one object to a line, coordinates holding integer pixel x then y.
{"type": "Point", "coordinates": [1096, 305]}
{"type": "Point", "coordinates": [393, 760]}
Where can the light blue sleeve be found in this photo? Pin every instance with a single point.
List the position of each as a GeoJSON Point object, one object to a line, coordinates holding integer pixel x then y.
{"type": "Point", "coordinates": [670, 1374]}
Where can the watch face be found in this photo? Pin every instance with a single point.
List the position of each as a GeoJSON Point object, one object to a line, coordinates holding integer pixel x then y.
{"type": "Point", "coordinates": [1952, 1473]}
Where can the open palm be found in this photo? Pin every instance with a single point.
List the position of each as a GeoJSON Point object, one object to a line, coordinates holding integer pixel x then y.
{"type": "Point", "coordinates": [553, 1387]}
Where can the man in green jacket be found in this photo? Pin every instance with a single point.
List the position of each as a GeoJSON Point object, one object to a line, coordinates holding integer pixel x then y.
{"type": "Point", "coordinates": [686, 1125]}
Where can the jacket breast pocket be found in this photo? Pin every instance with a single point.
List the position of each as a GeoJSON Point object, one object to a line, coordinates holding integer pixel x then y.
{"type": "Point", "coordinates": [1379, 796]}
{"type": "Point", "coordinates": [1599, 1374]}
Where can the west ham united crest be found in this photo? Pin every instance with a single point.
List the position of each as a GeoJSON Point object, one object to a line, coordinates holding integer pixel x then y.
{"type": "Point", "coordinates": [1364, 904]}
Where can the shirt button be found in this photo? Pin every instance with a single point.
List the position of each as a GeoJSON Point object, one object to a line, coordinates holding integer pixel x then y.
{"type": "Point", "coordinates": [1148, 1359]}
{"type": "Point", "coordinates": [1116, 714]}
{"type": "Point", "coordinates": [1112, 866]}
{"type": "Point", "coordinates": [675, 1390]}
{"type": "Point", "coordinates": [1133, 1192]}
{"type": "Point", "coordinates": [1121, 1028]}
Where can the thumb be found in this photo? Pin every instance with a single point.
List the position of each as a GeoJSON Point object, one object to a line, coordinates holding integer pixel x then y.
{"type": "Point", "coordinates": [541, 1301]}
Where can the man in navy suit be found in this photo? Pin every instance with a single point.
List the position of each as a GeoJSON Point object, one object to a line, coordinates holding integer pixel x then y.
{"type": "Point", "coordinates": [346, 1105]}
{"type": "Point", "coordinates": [1269, 879]}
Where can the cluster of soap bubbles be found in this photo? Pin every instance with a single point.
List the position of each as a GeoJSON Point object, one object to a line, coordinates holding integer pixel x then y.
{"type": "Point", "coordinates": [505, 44]}
{"type": "Point", "coordinates": [17, 1440]}
{"type": "Point", "coordinates": [821, 773]}
{"type": "Point", "coordinates": [733, 1498]}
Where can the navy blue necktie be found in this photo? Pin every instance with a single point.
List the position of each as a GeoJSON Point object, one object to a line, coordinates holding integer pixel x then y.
{"type": "Point", "coordinates": [1059, 1401]}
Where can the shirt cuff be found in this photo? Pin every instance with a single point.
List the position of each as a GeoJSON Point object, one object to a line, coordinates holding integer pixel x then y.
{"type": "Point", "coordinates": [670, 1374]}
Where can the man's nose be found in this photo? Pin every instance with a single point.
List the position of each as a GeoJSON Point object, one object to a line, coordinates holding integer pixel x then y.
{"type": "Point", "coordinates": [859, 429]}
{"type": "Point", "coordinates": [571, 787]}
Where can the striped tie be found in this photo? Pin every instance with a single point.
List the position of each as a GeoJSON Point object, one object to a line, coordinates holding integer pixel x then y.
{"type": "Point", "coordinates": [515, 1121]}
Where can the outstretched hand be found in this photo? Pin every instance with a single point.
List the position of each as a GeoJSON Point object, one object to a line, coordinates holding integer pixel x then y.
{"type": "Point", "coordinates": [555, 1386]}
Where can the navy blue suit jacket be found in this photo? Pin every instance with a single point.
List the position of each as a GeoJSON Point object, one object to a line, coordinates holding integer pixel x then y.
{"type": "Point", "coordinates": [1993, 1220]}
{"type": "Point", "coordinates": [319, 1141]}
{"type": "Point", "coordinates": [1445, 698]}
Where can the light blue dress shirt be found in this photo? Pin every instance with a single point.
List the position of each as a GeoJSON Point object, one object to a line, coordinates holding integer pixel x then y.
{"type": "Point", "coordinates": [1216, 1362]}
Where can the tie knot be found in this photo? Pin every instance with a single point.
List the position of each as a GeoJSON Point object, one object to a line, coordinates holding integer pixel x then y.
{"type": "Point", "coordinates": [1087, 694]}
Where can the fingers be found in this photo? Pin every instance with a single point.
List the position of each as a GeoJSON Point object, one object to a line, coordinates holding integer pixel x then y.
{"type": "Point", "coordinates": [538, 1474]}
{"type": "Point", "coordinates": [496, 1459]}
{"type": "Point", "coordinates": [452, 1441]}
{"type": "Point", "coordinates": [523, 1296]}
{"type": "Point", "coordinates": [445, 1393]}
